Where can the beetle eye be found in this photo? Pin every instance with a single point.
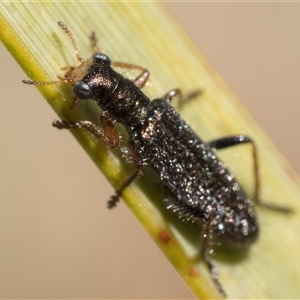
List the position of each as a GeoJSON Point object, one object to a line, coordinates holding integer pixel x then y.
{"type": "Point", "coordinates": [101, 58]}
{"type": "Point", "coordinates": [82, 90]}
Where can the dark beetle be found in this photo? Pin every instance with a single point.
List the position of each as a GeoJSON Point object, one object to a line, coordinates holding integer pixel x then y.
{"type": "Point", "coordinates": [197, 184]}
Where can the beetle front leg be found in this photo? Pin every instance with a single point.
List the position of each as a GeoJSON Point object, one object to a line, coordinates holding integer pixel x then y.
{"type": "Point", "coordinates": [108, 133]}
{"type": "Point", "coordinates": [141, 79]}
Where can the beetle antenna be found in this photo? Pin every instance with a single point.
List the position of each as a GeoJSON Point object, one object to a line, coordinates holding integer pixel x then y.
{"type": "Point", "coordinates": [72, 38]}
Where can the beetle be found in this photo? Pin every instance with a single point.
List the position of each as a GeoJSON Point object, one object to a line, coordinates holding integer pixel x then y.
{"type": "Point", "coordinates": [197, 184]}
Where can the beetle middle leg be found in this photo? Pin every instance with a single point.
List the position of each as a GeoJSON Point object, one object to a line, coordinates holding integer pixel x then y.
{"type": "Point", "coordinates": [169, 96]}
{"type": "Point", "coordinates": [134, 158]}
{"type": "Point", "coordinates": [242, 139]}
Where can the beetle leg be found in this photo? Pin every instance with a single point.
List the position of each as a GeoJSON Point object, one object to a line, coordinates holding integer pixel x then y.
{"type": "Point", "coordinates": [169, 96]}
{"type": "Point", "coordinates": [132, 157]}
{"type": "Point", "coordinates": [205, 255]}
{"type": "Point", "coordinates": [242, 139]}
{"type": "Point", "coordinates": [108, 133]}
{"type": "Point", "coordinates": [140, 80]}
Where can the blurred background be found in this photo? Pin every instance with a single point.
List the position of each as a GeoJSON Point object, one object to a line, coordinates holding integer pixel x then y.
{"type": "Point", "coordinates": [56, 242]}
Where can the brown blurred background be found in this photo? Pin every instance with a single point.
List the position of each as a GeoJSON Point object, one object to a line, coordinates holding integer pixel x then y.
{"type": "Point", "coordinates": [57, 243]}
